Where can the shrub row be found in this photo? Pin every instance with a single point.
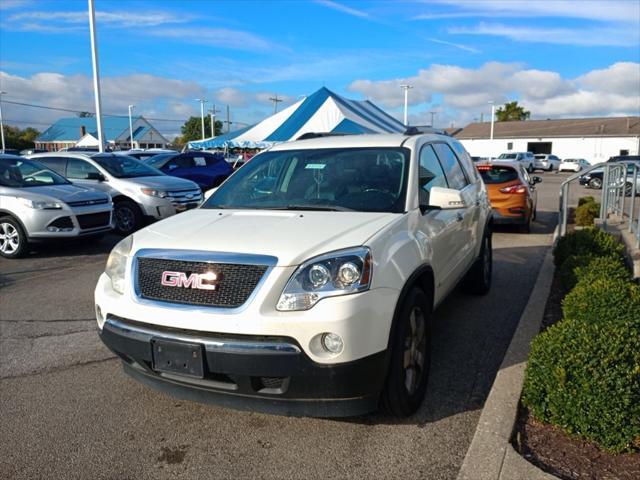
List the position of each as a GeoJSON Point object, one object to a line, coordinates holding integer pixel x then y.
{"type": "Point", "coordinates": [583, 373]}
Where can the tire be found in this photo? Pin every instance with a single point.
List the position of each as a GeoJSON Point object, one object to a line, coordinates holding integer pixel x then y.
{"type": "Point", "coordinates": [628, 188]}
{"type": "Point", "coordinates": [526, 227]}
{"type": "Point", "coordinates": [530, 168]}
{"type": "Point", "coordinates": [550, 169]}
{"type": "Point", "coordinates": [478, 278]}
{"type": "Point", "coordinates": [406, 382]}
{"type": "Point", "coordinates": [595, 183]}
{"type": "Point", "coordinates": [128, 217]}
{"type": "Point", "coordinates": [13, 240]}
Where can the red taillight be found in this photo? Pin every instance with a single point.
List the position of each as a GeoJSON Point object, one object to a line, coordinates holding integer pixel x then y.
{"type": "Point", "coordinates": [519, 188]}
{"type": "Point", "coordinates": [484, 168]}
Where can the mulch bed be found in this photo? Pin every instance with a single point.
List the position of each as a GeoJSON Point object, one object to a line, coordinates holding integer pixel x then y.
{"type": "Point", "coordinates": [557, 453]}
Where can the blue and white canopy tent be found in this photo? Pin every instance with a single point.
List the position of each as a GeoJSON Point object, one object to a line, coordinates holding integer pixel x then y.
{"type": "Point", "coordinates": [323, 111]}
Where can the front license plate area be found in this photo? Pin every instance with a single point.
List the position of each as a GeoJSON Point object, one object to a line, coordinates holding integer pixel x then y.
{"type": "Point", "coordinates": [180, 358]}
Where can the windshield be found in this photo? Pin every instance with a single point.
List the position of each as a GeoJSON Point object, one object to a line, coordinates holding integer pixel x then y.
{"type": "Point", "coordinates": [122, 166]}
{"type": "Point", "coordinates": [350, 179]}
{"type": "Point", "coordinates": [22, 173]}
{"type": "Point", "coordinates": [508, 156]}
{"type": "Point", "coordinates": [158, 161]}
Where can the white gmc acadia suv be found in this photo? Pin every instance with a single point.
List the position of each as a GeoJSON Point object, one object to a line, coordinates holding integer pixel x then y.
{"type": "Point", "coordinates": [306, 284]}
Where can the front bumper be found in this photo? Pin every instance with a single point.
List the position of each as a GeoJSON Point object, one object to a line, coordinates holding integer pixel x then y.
{"type": "Point", "coordinates": [259, 373]}
{"type": "Point", "coordinates": [39, 224]}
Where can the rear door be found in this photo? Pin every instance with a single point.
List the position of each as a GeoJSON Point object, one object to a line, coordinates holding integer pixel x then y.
{"type": "Point", "coordinates": [79, 171]}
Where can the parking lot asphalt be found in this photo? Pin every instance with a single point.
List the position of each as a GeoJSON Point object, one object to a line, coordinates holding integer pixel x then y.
{"type": "Point", "coordinates": [68, 411]}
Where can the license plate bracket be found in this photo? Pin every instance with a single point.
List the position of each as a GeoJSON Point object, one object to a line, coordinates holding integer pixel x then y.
{"type": "Point", "coordinates": [181, 358]}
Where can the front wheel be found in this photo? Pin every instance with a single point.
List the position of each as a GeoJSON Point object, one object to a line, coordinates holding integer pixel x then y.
{"type": "Point", "coordinates": [406, 382]}
{"type": "Point", "coordinates": [128, 217]}
{"type": "Point", "coordinates": [595, 183]}
{"type": "Point", "coordinates": [530, 168]}
{"type": "Point", "coordinates": [13, 241]}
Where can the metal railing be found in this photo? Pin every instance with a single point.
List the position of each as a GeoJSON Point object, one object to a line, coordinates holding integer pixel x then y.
{"type": "Point", "coordinates": [620, 183]}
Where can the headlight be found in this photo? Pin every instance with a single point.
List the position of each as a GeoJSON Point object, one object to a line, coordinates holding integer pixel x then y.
{"type": "Point", "coordinates": [41, 205]}
{"type": "Point", "coordinates": [337, 273]}
{"type": "Point", "coordinates": [154, 193]}
{"type": "Point", "coordinates": [117, 263]}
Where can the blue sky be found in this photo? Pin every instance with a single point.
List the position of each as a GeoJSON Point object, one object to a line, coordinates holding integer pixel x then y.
{"type": "Point", "coordinates": [558, 58]}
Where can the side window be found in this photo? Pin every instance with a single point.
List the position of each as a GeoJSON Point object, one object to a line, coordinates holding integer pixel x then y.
{"type": "Point", "coordinates": [199, 161]}
{"type": "Point", "coordinates": [57, 164]}
{"type": "Point", "coordinates": [183, 161]}
{"type": "Point", "coordinates": [79, 169]}
{"type": "Point", "coordinates": [430, 174]}
{"type": "Point", "coordinates": [465, 160]}
{"type": "Point", "coordinates": [452, 169]}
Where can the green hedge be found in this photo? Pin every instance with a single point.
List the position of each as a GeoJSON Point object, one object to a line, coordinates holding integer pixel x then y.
{"type": "Point", "coordinates": [583, 373]}
{"type": "Point", "coordinates": [587, 213]}
{"type": "Point", "coordinates": [586, 199]}
{"type": "Point", "coordinates": [590, 241]}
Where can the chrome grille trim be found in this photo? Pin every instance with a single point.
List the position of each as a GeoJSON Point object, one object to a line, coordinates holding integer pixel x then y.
{"type": "Point", "coordinates": [181, 197]}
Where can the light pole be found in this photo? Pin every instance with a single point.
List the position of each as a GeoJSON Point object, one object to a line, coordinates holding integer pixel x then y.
{"type": "Point", "coordinates": [131, 107]}
{"type": "Point", "coordinates": [433, 114]}
{"type": "Point", "coordinates": [202, 102]}
{"type": "Point", "coordinates": [493, 116]}
{"type": "Point", "coordinates": [1, 124]}
{"type": "Point", "coordinates": [213, 112]}
{"type": "Point", "coordinates": [96, 75]}
{"type": "Point", "coordinates": [406, 103]}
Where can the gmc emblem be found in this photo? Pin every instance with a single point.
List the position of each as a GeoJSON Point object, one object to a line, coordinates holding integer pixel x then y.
{"type": "Point", "coordinates": [198, 281]}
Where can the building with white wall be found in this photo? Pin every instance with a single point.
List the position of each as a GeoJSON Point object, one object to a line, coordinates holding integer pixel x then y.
{"type": "Point", "coordinates": [594, 139]}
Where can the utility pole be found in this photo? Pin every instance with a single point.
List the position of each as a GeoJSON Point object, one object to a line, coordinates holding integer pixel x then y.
{"type": "Point", "coordinates": [213, 112]}
{"type": "Point", "coordinates": [406, 89]}
{"type": "Point", "coordinates": [1, 124]}
{"type": "Point", "coordinates": [228, 119]}
{"type": "Point", "coordinates": [275, 101]}
{"type": "Point", "coordinates": [481, 117]}
{"type": "Point", "coordinates": [493, 116]}
{"type": "Point", "coordinates": [96, 75]}
{"type": "Point", "coordinates": [433, 114]}
{"type": "Point", "coordinates": [131, 107]}
{"type": "Point", "coordinates": [202, 102]}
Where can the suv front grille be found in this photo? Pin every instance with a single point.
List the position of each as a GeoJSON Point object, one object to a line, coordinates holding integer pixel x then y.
{"type": "Point", "coordinates": [235, 284]}
{"type": "Point", "coordinates": [185, 197]}
{"type": "Point", "coordinates": [84, 203]}
{"type": "Point", "coordinates": [94, 220]}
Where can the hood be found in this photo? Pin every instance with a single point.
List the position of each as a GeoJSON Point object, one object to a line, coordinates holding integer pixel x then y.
{"type": "Point", "coordinates": [66, 193]}
{"type": "Point", "coordinates": [292, 236]}
{"type": "Point", "coordinates": [162, 182]}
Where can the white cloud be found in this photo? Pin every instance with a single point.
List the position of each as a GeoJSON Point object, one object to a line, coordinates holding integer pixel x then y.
{"type": "Point", "coordinates": [343, 8]}
{"type": "Point", "coordinates": [459, 46]}
{"type": "Point", "coordinates": [586, 36]}
{"type": "Point", "coordinates": [219, 37]}
{"type": "Point", "coordinates": [465, 92]}
{"type": "Point", "coordinates": [11, 4]}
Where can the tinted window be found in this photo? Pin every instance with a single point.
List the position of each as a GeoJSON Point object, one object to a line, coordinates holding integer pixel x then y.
{"type": "Point", "coordinates": [121, 166]}
{"type": "Point", "coordinates": [507, 156]}
{"type": "Point", "coordinates": [361, 179]}
{"type": "Point", "coordinates": [79, 169]}
{"type": "Point", "coordinates": [56, 164]}
{"type": "Point", "coordinates": [158, 161]}
{"type": "Point", "coordinates": [451, 165]}
{"type": "Point", "coordinates": [430, 174]}
{"type": "Point", "coordinates": [492, 174]}
{"type": "Point", "coordinates": [23, 173]}
{"type": "Point", "coordinates": [182, 161]}
{"type": "Point", "coordinates": [465, 159]}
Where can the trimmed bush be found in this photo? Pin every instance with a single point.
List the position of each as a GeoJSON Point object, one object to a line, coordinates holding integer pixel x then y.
{"type": "Point", "coordinates": [585, 378]}
{"type": "Point", "coordinates": [586, 213]}
{"type": "Point", "coordinates": [590, 268]}
{"type": "Point", "coordinates": [586, 199]}
{"type": "Point", "coordinates": [590, 241]}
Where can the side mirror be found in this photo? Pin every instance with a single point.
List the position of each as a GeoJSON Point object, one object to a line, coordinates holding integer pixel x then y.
{"type": "Point", "coordinates": [445, 198]}
{"type": "Point", "coordinates": [95, 176]}
{"type": "Point", "coordinates": [535, 180]}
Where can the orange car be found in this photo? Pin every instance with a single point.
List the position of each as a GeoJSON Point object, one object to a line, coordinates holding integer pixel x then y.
{"type": "Point", "coordinates": [512, 193]}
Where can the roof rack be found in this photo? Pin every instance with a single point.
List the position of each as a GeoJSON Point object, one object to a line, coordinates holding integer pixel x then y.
{"type": "Point", "coordinates": [309, 135]}
{"type": "Point", "coordinates": [421, 130]}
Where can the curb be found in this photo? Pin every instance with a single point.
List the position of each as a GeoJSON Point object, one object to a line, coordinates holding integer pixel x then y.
{"type": "Point", "coordinates": [490, 455]}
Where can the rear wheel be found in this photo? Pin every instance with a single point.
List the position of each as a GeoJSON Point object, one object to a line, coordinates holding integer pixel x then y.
{"type": "Point", "coordinates": [128, 217]}
{"type": "Point", "coordinates": [478, 279]}
{"type": "Point", "coordinates": [13, 241]}
{"type": "Point", "coordinates": [406, 382]}
{"type": "Point", "coordinates": [526, 227]}
{"type": "Point", "coordinates": [530, 168]}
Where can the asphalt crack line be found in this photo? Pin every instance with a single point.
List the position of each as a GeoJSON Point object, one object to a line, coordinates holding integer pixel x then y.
{"type": "Point", "coordinates": [61, 369]}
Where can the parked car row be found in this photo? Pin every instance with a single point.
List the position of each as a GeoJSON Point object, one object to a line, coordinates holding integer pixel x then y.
{"type": "Point", "coordinates": [594, 179]}
{"type": "Point", "coordinates": [540, 161]}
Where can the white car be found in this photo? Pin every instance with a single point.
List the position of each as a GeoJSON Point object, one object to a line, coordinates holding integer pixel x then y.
{"type": "Point", "coordinates": [141, 194]}
{"type": "Point", "coordinates": [546, 162]}
{"type": "Point", "coordinates": [306, 284]}
{"type": "Point", "coordinates": [573, 165]}
{"type": "Point", "coordinates": [526, 159]}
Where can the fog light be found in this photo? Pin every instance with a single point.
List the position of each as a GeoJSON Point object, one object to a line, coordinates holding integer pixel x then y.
{"type": "Point", "coordinates": [332, 342]}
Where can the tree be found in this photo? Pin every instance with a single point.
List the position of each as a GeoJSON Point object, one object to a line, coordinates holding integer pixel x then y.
{"type": "Point", "coordinates": [192, 129]}
{"type": "Point", "coordinates": [85, 114]}
{"type": "Point", "coordinates": [19, 139]}
{"type": "Point", "coordinates": [511, 111]}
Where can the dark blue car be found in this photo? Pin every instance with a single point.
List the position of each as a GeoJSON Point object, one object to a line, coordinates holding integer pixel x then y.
{"type": "Point", "coordinates": [206, 169]}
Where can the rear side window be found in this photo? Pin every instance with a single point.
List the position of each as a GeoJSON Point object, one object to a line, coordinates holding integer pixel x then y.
{"type": "Point", "coordinates": [452, 169]}
{"type": "Point", "coordinates": [57, 164]}
{"type": "Point", "coordinates": [465, 160]}
{"type": "Point", "coordinates": [492, 174]}
{"type": "Point", "coordinates": [79, 169]}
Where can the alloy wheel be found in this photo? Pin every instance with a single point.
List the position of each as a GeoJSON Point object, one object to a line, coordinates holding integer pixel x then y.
{"type": "Point", "coordinates": [9, 238]}
{"type": "Point", "coordinates": [415, 350]}
{"type": "Point", "coordinates": [125, 219]}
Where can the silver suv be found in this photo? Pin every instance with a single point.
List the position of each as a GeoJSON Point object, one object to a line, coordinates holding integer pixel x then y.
{"type": "Point", "coordinates": [37, 204]}
{"type": "Point", "coordinates": [140, 193]}
{"type": "Point", "coordinates": [526, 159]}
